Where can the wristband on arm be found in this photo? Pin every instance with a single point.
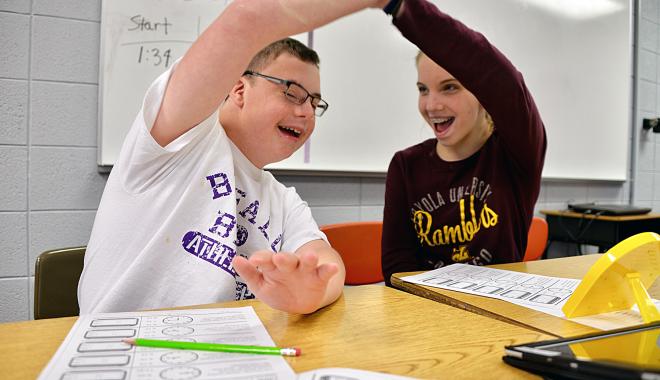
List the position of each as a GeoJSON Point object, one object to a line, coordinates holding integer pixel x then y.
{"type": "Point", "coordinates": [393, 7]}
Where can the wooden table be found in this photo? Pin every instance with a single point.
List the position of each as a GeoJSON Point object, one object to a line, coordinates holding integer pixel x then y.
{"type": "Point", "coordinates": [569, 267]}
{"type": "Point", "coordinates": [599, 230]}
{"type": "Point", "coordinates": [370, 327]}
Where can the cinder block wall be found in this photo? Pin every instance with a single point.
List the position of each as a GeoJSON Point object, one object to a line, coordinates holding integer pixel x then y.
{"type": "Point", "coordinates": [50, 185]}
{"type": "Point", "coordinates": [647, 144]}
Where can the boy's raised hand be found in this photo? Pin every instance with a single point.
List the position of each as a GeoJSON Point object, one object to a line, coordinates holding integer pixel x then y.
{"type": "Point", "coordinates": [289, 282]}
{"type": "Point", "coordinates": [217, 59]}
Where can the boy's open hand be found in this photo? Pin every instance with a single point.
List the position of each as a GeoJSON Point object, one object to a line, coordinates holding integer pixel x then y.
{"type": "Point", "coordinates": [285, 281]}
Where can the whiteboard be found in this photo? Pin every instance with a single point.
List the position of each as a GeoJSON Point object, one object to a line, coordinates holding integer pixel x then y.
{"type": "Point", "coordinates": [577, 65]}
{"type": "Point", "coordinates": [139, 40]}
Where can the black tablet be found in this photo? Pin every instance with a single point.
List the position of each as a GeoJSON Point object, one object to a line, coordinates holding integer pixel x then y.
{"type": "Point", "coordinates": [608, 209]}
{"type": "Point", "coordinates": [630, 353]}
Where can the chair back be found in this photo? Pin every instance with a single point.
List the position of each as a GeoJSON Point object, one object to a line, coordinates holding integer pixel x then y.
{"type": "Point", "coordinates": [537, 239]}
{"type": "Point", "coordinates": [56, 277]}
{"type": "Point", "coordinates": [358, 243]}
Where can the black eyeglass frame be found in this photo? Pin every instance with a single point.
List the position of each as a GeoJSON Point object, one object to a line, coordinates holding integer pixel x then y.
{"type": "Point", "coordinates": [319, 105]}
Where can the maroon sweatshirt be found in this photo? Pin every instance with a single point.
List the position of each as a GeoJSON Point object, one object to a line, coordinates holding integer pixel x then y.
{"type": "Point", "coordinates": [478, 210]}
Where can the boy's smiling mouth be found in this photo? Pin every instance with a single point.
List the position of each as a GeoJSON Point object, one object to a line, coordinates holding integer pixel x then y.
{"type": "Point", "coordinates": [291, 131]}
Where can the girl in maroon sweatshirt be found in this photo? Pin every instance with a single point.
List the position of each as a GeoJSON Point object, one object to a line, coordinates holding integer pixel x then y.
{"type": "Point", "coordinates": [467, 195]}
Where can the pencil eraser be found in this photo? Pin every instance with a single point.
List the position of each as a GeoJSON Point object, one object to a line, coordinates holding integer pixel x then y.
{"type": "Point", "coordinates": [298, 351]}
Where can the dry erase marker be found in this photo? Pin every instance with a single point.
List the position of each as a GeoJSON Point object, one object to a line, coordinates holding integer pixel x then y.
{"type": "Point", "coordinates": [236, 348]}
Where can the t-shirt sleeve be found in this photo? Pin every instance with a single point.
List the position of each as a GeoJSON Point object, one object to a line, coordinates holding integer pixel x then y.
{"type": "Point", "coordinates": [142, 161]}
{"type": "Point", "coordinates": [299, 224]}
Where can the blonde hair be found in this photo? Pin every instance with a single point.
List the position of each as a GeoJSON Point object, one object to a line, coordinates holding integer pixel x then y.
{"type": "Point", "coordinates": [418, 57]}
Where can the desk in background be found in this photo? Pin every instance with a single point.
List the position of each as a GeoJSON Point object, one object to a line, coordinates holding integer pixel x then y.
{"type": "Point", "coordinates": [602, 231]}
{"type": "Point", "coordinates": [370, 327]}
{"type": "Point", "coordinates": [569, 267]}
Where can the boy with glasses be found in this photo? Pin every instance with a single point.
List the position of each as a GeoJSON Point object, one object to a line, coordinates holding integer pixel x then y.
{"type": "Point", "coordinates": [188, 215]}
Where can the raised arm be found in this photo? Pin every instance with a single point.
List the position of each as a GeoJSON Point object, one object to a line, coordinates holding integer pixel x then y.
{"type": "Point", "coordinates": [218, 57]}
{"type": "Point", "coordinates": [486, 72]}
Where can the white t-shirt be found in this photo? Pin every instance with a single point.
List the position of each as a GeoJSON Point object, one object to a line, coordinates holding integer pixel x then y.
{"type": "Point", "coordinates": [172, 218]}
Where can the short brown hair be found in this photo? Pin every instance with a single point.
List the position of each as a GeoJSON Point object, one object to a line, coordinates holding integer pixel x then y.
{"type": "Point", "coordinates": [287, 45]}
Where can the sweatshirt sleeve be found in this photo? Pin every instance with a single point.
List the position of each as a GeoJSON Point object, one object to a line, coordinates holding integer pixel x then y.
{"type": "Point", "coordinates": [485, 72]}
{"type": "Point", "coordinates": [399, 242]}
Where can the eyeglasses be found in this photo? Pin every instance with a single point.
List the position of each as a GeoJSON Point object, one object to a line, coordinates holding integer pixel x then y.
{"type": "Point", "coordinates": [296, 93]}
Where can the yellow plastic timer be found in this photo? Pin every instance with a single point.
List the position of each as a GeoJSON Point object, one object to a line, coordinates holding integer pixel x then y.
{"type": "Point", "coordinates": [619, 279]}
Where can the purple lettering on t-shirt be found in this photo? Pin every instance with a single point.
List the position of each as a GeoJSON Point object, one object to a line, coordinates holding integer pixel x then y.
{"type": "Point", "coordinates": [251, 211]}
{"type": "Point", "coordinates": [275, 246]}
{"type": "Point", "coordinates": [223, 225]}
{"type": "Point", "coordinates": [209, 250]}
{"type": "Point", "coordinates": [242, 291]}
{"type": "Point", "coordinates": [219, 185]}
{"type": "Point", "coordinates": [241, 235]}
{"type": "Point", "coordinates": [240, 194]}
{"type": "Point", "coordinates": [264, 228]}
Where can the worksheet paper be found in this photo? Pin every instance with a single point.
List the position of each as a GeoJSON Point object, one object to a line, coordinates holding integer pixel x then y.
{"type": "Point", "coordinates": [541, 293]}
{"type": "Point", "coordinates": [94, 348]}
